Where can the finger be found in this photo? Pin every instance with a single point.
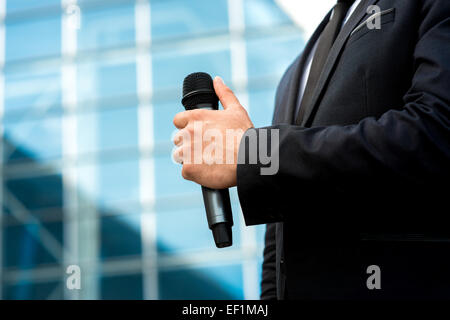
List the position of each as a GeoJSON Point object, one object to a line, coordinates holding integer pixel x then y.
{"type": "Point", "coordinates": [226, 96]}
{"type": "Point", "coordinates": [181, 119]}
{"type": "Point", "coordinates": [177, 155]}
{"type": "Point", "coordinates": [181, 136]}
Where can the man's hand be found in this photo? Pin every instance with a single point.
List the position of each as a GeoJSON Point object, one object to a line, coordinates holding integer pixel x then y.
{"type": "Point", "coordinates": [208, 140]}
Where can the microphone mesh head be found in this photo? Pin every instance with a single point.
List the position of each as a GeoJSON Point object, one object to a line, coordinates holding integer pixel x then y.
{"type": "Point", "coordinates": [198, 88]}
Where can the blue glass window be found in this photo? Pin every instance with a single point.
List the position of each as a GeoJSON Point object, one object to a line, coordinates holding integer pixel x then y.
{"type": "Point", "coordinates": [163, 129]}
{"type": "Point", "coordinates": [261, 107]}
{"type": "Point", "coordinates": [107, 79]}
{"type": "Point", "coordinates": [170, 68]}
{"type": "Point", "coordinates": [33, 38]}
{"type": "Point", "coordinates": [187, 230]}
{"type": "Point", "coordinates": [27, 290]}
{"type": "Point", "coordinates": [270, 56]}
{"type": "Point", "coordinates": [184, 230]}
{"type": "Point", "coordinates": [260, 234]}
{"type": "Point", "coordinates": [19, 5]}
{"type": "Point", "coordinates": [119, 181]}
{"type": "Point", "coordinates": [109, 184]}
{"type": "Point", "coordinates": [123, 287]}
{"type": "Point", "coordinates": [263, 13]}
{"type": "Point", "coordinates": [106, 26]}
{"type": "Point", "coordinates": [120, 235]}
{"type": "Point", "coordinates": [169, 181]}
{"type": "Point", "coordinates": [215, 282]}
{"type": "Point", "coordinates": [186, 36]}
{"type": "Point", "coordinates": [107, 129]}
{"type": "Point", "coordinates": [24, 248]}
{"type": "Point", "coordinates": [178, 18]}
{"type": "Point", "coordinates": [37, 193]}
{"type": "Point", "coordinates": [32, 140]}
{"type": "Point", "coordinates": [32, 91]}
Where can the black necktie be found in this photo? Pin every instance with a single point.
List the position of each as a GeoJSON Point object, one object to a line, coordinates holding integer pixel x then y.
{"type": "Point", "coordinates": [324, 45]}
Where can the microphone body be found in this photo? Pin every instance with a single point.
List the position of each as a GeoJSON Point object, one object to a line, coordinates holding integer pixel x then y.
{"type": "Point", "coordinates": [198, 93]}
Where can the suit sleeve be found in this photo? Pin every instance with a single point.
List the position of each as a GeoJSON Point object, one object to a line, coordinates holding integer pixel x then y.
{"type": "Point", "coordinates": [403, 147]}
{"type": "Point", "coordinates": [268, 282]}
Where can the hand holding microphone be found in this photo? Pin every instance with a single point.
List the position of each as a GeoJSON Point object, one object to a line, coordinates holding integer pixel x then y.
{"type": "Point", "coordinates": [233, 117]}
{"type": "Point", "coordinates": [200, 95]}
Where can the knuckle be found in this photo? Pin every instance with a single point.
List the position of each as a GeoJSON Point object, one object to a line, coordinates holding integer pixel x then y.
{"type": "Point", "coordinates": [190, 129]}
{"type": "Point", "coordinates": [176, 138]}
{"type": "Point", "coordinates": [197, 114]}
{"type": "Point", "coordinates": [178, 121]}
{"type": "Point", "coordinates": [184, 153]}
{"type": "Point", "coordinates": [190, 115]}
{"type": "Point", "coordinates": [176, 118]}
{"type": "Point", "coordinates": [176, 156]}
{"type": "Point", "coordinates": [242, 110]}
{"type": "Point", "coordinates": [179, 137]}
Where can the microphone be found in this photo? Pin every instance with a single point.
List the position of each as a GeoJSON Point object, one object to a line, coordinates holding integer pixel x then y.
{"type": "Point", "coordinates": [198, 93]}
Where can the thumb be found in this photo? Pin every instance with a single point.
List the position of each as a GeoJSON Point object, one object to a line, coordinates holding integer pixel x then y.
{"type": "Point", "coordinates": [226, 96]}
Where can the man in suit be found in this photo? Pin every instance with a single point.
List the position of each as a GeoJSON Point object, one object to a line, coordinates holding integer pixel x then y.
{"type": "Point", "coordinates": [358, 207]}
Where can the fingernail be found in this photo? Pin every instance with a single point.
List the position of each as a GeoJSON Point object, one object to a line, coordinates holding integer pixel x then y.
{"type": "Point", "coordinates": [217, 78]}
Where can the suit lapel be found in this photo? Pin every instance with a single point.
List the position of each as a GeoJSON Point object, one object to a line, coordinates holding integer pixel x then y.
{"type": "Point", "coordinates": [287, 111]}
{"type": "Point", "coordinates": [335, 52]}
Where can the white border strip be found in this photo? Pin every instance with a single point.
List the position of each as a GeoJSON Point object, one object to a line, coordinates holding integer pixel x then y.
{"type": "Point", "coordinates": [239, 76]}
{"type": "Point", "coordinates": [146, 162]}
{"type": "Point", "coordinates": [69, 145]}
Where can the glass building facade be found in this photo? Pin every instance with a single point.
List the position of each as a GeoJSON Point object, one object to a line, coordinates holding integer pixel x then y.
{"type": "Point", "coordinates": [88, 91]}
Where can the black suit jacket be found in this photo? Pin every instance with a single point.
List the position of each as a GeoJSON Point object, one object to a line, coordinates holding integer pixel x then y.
{"type": "Point", "coordinates": [364, 176]}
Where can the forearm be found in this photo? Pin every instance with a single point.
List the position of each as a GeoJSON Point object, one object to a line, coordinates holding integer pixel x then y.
{"type": "Point", "coordinates": [400, 148]}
